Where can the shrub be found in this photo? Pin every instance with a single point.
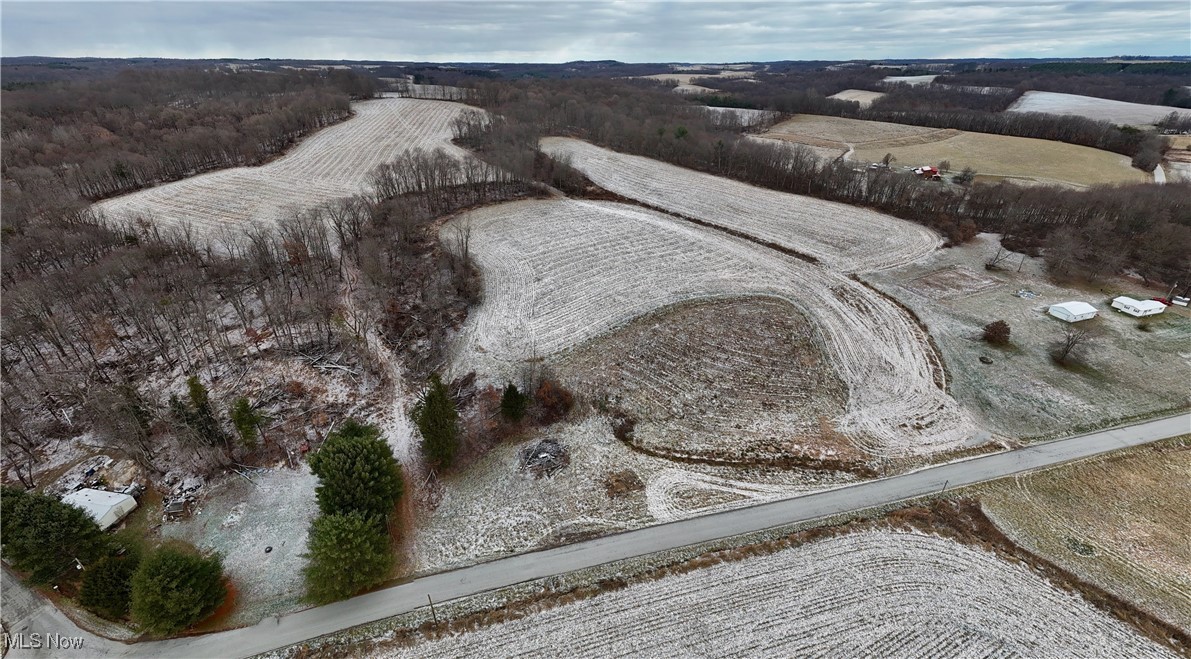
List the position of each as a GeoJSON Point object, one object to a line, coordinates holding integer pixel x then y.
{"type": "Point", "coordinates": [347, 553]}
{"type": "Point", "coordinates": [357, 472]}
{"type": "Point", "coordinates": [554, 401]}
{"type": "Point", "coordinates": [174, 587]}
{"type": "Point", "coordinates": [997, 333]}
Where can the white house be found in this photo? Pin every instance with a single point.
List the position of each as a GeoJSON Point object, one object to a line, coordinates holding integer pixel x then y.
{"type": "Point", "coordinates": [1138, 308]}
{"type": "Point", "coordinates": [107, 508]}
{"type": "Point", "coordinates": [1072, 312]}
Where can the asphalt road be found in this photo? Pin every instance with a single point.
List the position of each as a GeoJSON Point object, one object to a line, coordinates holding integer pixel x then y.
{"type": "Point", "coordinates": [274, 633]}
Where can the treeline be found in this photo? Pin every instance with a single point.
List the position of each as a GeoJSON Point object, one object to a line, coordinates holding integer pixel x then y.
{"type": "Point", "coordinates": [103, 138]}
{"type": "Point", "coordinates": [1150, 84]}
{"type": "Point", "coordinates": [939, 106]}
{"type": "Point", "coordinates": [1138, 223]}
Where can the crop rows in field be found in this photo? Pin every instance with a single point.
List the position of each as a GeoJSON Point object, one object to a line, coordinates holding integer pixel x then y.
{"type": "Point", "coordinates": [1105, 521]}
{"type": "Point", "coordinates": [561, 272]}
{"type": "Point", "coordinates": [845, 238]}
{"type": "Point", "coordinates": [876, 593]}
{"type": "Point", "coordinates": [330, 164]}
{"type": "Point", "coordinates": [737, 380]}
{"type": "Point", "coordinates": [1100, 109]}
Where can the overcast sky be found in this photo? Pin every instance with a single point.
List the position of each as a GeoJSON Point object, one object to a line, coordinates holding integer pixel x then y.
{"type": "Point", "coordinates": [632, 31]}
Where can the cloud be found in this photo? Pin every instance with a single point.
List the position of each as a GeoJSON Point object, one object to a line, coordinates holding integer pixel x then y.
{"type": "Point", "coordinates": [536, 31]}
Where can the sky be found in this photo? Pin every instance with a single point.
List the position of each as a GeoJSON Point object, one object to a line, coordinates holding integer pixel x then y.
{"type": "Point", "coordinates": [629, 31]}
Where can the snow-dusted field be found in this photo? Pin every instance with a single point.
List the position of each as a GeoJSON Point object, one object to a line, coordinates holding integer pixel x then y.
{"type": "Point", "coordinates": [862, 96]}
{"type": "Point", "coordinates": [845, 238]}
{"type": "Point", "coordinates": [330, 164]}
{"type": "Point", "coordinates": [1101, 109]}
{"type": "Point", "coordinates": [910, 80]}
{"type": "Point", "coordinates": [876, 593]}
{"type": "Point", "coordinates": [558, 273]}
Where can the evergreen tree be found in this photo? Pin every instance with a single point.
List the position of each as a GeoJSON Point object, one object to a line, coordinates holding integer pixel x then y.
{"type": "Point", "coordinates": [247, 421]}
{"type": "Point", "coordinates": [357, 473]}
{"type": "Point", "coordinates": [348, 553]}
{"type": "Point", "coordinates": [513, 403]}
{"type": "Point", "coordinates": [107, 586]}
{"type": "Point", "coordinates": [198, 417]}
{"type": "Point", "coordinates": [438, 420]}
{"type": "Point", "coordinates": [45, 537]}
{"type": "Point", "coordinates": [175, 587]}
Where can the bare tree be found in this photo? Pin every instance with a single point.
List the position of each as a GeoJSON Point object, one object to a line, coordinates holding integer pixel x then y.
{"type": "Point", "coordinates": [1076, 339]}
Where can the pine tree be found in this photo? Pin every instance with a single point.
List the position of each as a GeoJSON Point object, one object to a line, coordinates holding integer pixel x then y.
{"type": "Point", "coordinates": [347, 554]}
{"type": "Point", "coordinates": [438, 420]}
{"type": "Point", "coordinates": [247, 421]}
{"type": "Point", "coordinates": [174, 587]}
{"type": "Point", "coordinates": [107, 586]}
{"type": "Point", "coordinates": [45, 537]}
{"type": "Point", "coordinates": [513, 403]}
{"type": "Point", "coordinates": [357, 473]}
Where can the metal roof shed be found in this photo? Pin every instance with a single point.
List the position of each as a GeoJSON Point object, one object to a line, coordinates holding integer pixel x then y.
{"type": "Point", "coordinates": [107, 508]}
{"type": "Point", "coordinates": [1073, 311]}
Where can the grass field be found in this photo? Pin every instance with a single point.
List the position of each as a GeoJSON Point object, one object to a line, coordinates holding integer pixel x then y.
{"type": "Point", "coordinates": [685, 78]}
{"type": "Point", "coordinates": [1001, 156]}
{"type": "Point", "coordinates": [1119, 521]}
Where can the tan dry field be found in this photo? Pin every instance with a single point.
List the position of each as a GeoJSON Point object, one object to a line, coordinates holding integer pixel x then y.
{"type": "Point", "coordinates": [1119, 521]}
{"type": "Point", "coordinates": [1001, 156]}
{"type": "Point", "coordinates": [862, 96]}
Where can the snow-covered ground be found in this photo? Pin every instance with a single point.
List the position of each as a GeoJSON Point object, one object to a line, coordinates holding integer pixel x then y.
{"type": "Point", "coordinates": [845, 238]}
{"type": "Point", "coordinates": [558, 273]}
{"type": "Point", "coordinates": [910, 80]}
{"type": "Point", "coordinates": [878, 593]}
{"type": "Point", "coordinates": [1100, 109]}
{"type": "Point", "coordinates": [334, 162]}
{"type": "Point", "coordinates": [747, 117]}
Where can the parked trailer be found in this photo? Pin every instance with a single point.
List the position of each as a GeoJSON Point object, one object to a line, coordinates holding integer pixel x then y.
{"type": "Point", "coordinates": [1138, 308]}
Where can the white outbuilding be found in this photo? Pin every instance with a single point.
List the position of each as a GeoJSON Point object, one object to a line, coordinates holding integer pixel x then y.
{"type": "Point", "coordinates": [1072, 312]}
{"type": "Point", "coordinates": [107, 508]}
{"type": "Point", "coordinates": [1138, 308]}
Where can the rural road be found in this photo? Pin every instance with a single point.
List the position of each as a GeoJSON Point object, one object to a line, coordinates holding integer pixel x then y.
{"type": "Point", "coordinates": [30, 614]}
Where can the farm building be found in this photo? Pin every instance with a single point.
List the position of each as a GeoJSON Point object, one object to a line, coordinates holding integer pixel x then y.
{"type": "Point", "coordinates": [1072, 312]}
{"type": "Point", "coordinates": [107, 508]}
{"type": "Point", "coordinates": [1138, 308]}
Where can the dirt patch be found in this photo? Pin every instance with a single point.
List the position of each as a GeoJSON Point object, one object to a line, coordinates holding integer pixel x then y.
{"type": "Point", "coordinates": [951, 282]}
{"type": "Point", "coordinates": [741, 381]}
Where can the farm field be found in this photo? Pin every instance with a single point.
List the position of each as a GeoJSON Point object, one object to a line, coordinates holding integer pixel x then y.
{"type": "Point", "coordinates": [747, 117]}
{"type": "Point", "coordinates": [686, 78]}
{"type": "Point", "coordinates": [838, 235]}
{"type": "Point", "coordinates": [1023, 393]}
{"type": "Point", "coordinates": [693, 89]}
{"type": "Point", "coordinates": [1119, 521]}
{"type": "Point", "coordinates": [878, 593]}
{"type": "Point", "coordinates": [332, 163]}
{"type": "Point", "coordinates": [741, 380]}
{"type": "Point", "coordinates": [1100, 109]}
{"type": "Point", "coordinates": [910, 80]}
{"type": "Point", "coordinates": [1008, 157]}
{"type": "Point", "coordinates": [561, 272]}
{"type": "Point", "coordinates": [864, 97]}
{"type": "Point", "coordinates": [1002, 156]}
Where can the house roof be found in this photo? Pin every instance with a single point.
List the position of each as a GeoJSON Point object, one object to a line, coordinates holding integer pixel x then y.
{"type": "Point", "coordinates": [1075, 307]}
